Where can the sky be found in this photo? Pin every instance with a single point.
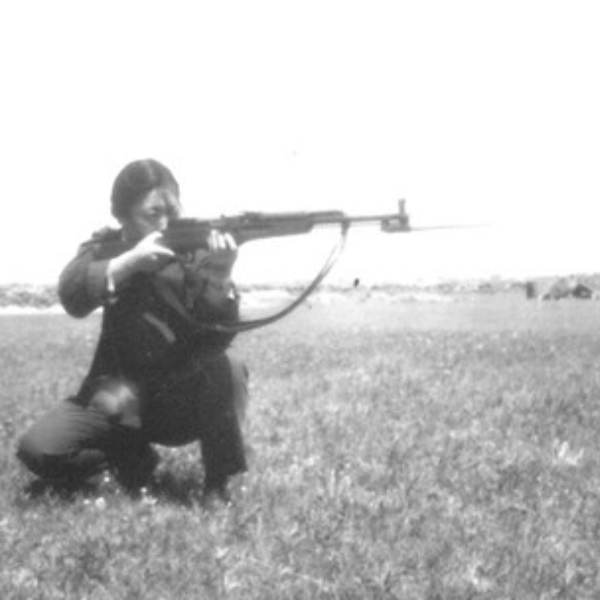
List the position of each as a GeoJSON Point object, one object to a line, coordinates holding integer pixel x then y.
{"type": "Point", "coordinates": [474, 111]}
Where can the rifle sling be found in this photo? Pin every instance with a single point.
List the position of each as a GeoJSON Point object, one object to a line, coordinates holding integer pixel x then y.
{"type": "Point", "coordinates": [261, 322]}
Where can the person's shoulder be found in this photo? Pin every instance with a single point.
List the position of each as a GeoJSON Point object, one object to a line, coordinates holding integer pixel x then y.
{"type": "Point", "coordinates": [103, 243]}
{"type": "Point", "coordinates": [106, 234]}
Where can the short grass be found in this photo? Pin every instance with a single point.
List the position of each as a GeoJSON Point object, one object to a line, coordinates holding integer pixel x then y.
{"type": "Point", "coordinates": [398, 450]}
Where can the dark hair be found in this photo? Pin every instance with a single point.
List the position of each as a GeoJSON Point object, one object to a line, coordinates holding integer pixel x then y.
{"type": "Point", "coordinates": [137, 179]}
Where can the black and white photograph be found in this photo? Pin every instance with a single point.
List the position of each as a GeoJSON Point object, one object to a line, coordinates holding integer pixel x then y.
{"type": "Point", "coordinates": [299, 300]}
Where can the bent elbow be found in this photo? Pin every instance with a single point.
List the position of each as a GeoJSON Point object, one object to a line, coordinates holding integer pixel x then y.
{"type": "Point", "coordinates": [76, 303]}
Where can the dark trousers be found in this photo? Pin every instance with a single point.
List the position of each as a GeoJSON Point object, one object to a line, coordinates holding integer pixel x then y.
{"type": "Point", "coordinates": [201, 402]}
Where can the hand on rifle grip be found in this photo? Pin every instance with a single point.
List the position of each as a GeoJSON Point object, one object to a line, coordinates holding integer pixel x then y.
{"type": "Point", "coordinates": [216, 262]}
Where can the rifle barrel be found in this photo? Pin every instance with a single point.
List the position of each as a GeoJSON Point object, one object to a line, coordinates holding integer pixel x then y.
{"type": "Point", "coordinates": [370, 218]}
{"type": "Point", "coordinates": [389, 223]}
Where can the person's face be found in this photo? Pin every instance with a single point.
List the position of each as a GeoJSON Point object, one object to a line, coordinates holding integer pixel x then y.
{"type": "Point", "coordinates": [151, 213]}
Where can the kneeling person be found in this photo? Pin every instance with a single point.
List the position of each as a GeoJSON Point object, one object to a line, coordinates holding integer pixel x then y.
{"type": "Point", "coordinates": [159, 375]}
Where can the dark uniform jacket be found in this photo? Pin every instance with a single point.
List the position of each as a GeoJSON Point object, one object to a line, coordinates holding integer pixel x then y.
{"type": "Point", "coordinates": [149, 327]}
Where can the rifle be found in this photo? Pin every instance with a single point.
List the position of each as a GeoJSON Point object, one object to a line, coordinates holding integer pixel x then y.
{"type": "Point", "coordinates": [189, 234]}
{"type": "Point", "coordinates": [185, 235]}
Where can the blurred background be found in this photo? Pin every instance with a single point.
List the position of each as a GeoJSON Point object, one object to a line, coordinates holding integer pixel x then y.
{"type": "Point", "coordinates": [474, 112]}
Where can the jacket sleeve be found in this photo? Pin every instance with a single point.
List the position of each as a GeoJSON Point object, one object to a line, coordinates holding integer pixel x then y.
{"type": "Point", "coordinates": [82, 285]}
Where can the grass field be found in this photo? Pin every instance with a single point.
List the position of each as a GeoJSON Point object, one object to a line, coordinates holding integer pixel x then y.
{"type": "Point", "coordinates": [409, 450]}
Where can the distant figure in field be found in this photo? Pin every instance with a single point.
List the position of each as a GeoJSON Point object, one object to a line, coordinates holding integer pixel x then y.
{"type": "Point", "coordinates": [530, 290]}
{"type": "Point", "coordinates": [158, 376]}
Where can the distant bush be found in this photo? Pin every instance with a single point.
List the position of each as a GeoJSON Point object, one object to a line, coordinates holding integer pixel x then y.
{"type": "Point", "coordinates": [28, 295]}
{"type": "Point", "coordinates": [46, 296]}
